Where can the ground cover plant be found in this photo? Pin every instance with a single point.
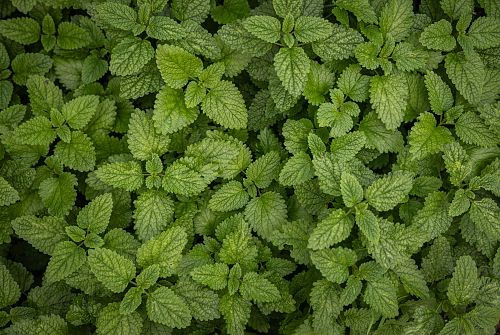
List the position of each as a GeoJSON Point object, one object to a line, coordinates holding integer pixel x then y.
{"type": "Point", "coordinates": [249, 167]}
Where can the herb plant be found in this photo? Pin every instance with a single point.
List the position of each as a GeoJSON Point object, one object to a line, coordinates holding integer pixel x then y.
{"type": "Point", "coordinates": [242, 167]}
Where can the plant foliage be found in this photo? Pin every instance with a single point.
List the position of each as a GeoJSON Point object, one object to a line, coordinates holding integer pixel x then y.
{"type": "Point", "coordinates": [249, 166]}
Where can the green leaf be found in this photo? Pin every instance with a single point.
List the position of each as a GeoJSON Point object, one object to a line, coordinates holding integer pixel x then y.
{"type": "Point", "coordinates": [334, 263]}
{"type": "Point", "coordinates": [195, 10]}
{"type": "Point", "coordinates": [44, 94]}
{"type": "Point", "coordinates": [166, 307]}
{"type": "Point", "coordinates": [266, 213]}
{"type": "Point", "coordinates": [380, 294]}
{"type": "Point", "coordinates": [264, 169]}
{"type": "Point", "coordinates": [485, 32]}
{"type": "Point", "coordinates": [164, 249]}
{"type": "Point", "coordinates": [439, 261]}
{"type": "Point", "coordinates": [236, 312]}
{"type": "Point", "coordinates": [202, 303]}
{"type": "Point", "coordinates": [471, 129]}
{"type": "Point", "coordinates": [93, 69]}
{"type": "Point", "coordinates": [345, 147]}
{"type": "Point", "coordinates": [257, 288]}
{"type": "Point", "coordinates": [464, 284]}
{"type": "Point", "coordinates": [42, 233]}
{"type": "Point", "coordinates": [437, 36]}
{"type": "Point", "coordinates": [284, 7]}
{"type": "Point", "coordinates": [117, 15]}
{"type": "Point", "coordinates": [111, 269]}
{"type": "Point", "coordinates": [388, 191]}
{"type": "Point", "coordinates": [485, 214]}
{"type": "Point", "coordinates": [66, 259]}
{"type": "Point", "coordinates": [36, 131]}
{"type": "Point", "coordinates": [433, 219]}
{"type": "Point", "coordinates": [143, 139]}
{"type": "Point", "coordinates": [467, 74]}
{"type": "Point", "coordinates": [396, 19]}
{"type": "Point", "coordinates": [352, 191]}
{"type": "Point", "coordinates": [229, 197]}
{"type": "Point", "coordinates": [339, 45]}
{"type": "Point", "coordinates": [24, 6]}
{"type": "Point", "coordinates": [70, 36]}
{"type": "Point", "coordinates": [368, 223]}
{"type": "Point", "coordinates": [153, 212]}
{"type": "Point", "coordinates": [170, 111]}
{"type": "Point", "coordinates": [164, 28]}
{"type": "Point", "coordinates": [457, 8]}
{"type": "Point", "coordinates": [23, 30]}
{"type": "Point", "coordinates": [148, 276]}
{"type": "Point", "coordinates": [408, 57]}
{"type": "Point", "coordinates": [8, 194]}
{"type": "Point", "coordinates": [77, 154]}
{"type": "Point", "coordinates": [425, 138]}
{"type": "Point", "coordinates": [212, 275]}
{"type": "Point", "coordinates": [9, 289]}
{"type": "Point", "coordinates": [361, 8]}
{"type": "Point", "coordinates": [333, 229]}
{"type": "Point", "coordinates": [58, 193]}
{"type": "Point", "coordinates": [460, 204]}
{"type": "Point", "coordinates": [412, 278]}
{"type": "Point", "coordinates": [225, 105]}
{"type": "Point", "coordinates": [111, 322]}
{"type": "Point", "coordinates": [297, 170]}
{"type": "Point", "coordinates": [180, 178]}
{"type": "Point", "coordinates": [126, 175]}
{"type": "Point", "coordinates": [378, 136]}
{"type": "Point", "coordinates": [131, 300]}
{"type": "Point", "coordinates": [319, 80]}
{"type": "Point", "coordinates": [177, 66]}
{"type": "Point", "coordinates": [292, 66]}
{"type": "Point", "coordinates": [28, 64]}
{"type": "Point", "coordinates": [440, 96]}
{"type": "Point", "coordinates": [311, 29]}
{"type": "Point", "coordinates": [267, 28]}
{"type": "Point", "coordinates": [130, 55]}
{"type": "Point", "coordinates": [95, 216]}
{"type": "Point", "coordinates": [79, 111]}
{"type": "Point", "coordinates": [325, 304]}
{"type": "Point", "coordinates": [389, 96]}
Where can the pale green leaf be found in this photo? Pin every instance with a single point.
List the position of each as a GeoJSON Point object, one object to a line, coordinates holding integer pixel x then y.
{"type": "Point", "coordinates": [177, 66]}
{"type": "Point", "coordinates": [111, 269]}
{"type": "Point", "coordinates": [212, 275]}
{"type": "Point", "coordinates": [267, 28]}
{"type": "Point", "coordinates": [164, 249]}
{"type": "Point", "coordinates": [334, 263]}
{"type": "Point", "coordinates": [292, 66]}
{"type": "Point", "coordinates": [333, 229]}
{"type": "Point", "coordinates": [78, 153]}
{"type": "Point", "coordinates": [143, 139]}
{"type": "Point", "coordinates": [225, 105]}
{"type": "Point", "coordinates": [96, 215]}
{"type": "Point", "coordinates": [389, 95]}
{"type": "Point", "coordinates": [170, 111]}
{"type": "Point", "coordinates": [464, 284]}
{"type": "Point", "coordinates": [257, 288]}
{"type": "Point", "coordinates": [166, 307]}
{"type": "Point", "coordinates": [153, 212]}
{"type": "Point", "coordinates": [386, 192]}
{"type": "Point", "coordinates": [229, 197]}
{"type": "Point", "coordinates": [66, 259]}
{"type": "Point", "coordinates": [437, 36]}
{"type": "Point", "coordinates": [130, 55]}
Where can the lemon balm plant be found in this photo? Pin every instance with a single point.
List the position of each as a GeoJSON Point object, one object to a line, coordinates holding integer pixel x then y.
{"type": "Point", "coordinates": [249, 166]}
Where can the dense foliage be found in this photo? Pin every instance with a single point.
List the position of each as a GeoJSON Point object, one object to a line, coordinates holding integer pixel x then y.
{"type": "Point", "coordinates": [242, 167]}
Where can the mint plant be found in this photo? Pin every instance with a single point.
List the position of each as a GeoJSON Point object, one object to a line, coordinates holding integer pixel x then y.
{"type": "Point", "coordinates": [249, 167]}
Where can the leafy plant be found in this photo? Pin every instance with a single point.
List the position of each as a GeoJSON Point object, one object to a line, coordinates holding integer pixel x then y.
{"type": "Point", "coordinates": [249, 166]}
